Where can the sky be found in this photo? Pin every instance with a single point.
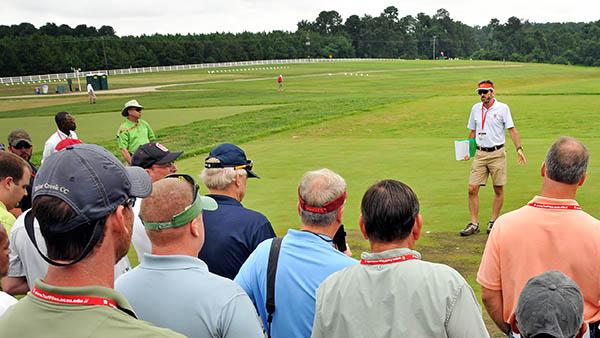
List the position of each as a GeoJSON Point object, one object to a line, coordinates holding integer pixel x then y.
{"type": "Point", "coordinates": [136, 17]}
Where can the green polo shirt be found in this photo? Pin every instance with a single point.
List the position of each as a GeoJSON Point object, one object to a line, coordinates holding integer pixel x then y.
{"type": "Point", "coordinates": [6, 218]}
{"type": "Point", "coordinates": [131, 135]}
{"type": "Point", "coordinates": [35, 317]}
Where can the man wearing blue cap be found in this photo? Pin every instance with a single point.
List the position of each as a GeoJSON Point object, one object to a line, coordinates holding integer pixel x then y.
{"type": "Point", "coordinates": [82, 199]}
{"type": "Point", "coordinates": [232, 231]}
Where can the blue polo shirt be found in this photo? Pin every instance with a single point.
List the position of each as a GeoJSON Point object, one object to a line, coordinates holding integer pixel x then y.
{"type": "Point", "coordinates": [231, 233]}
{"type": "Point", "coordinates": [178, 292]}
{"type": "Point", "coordinates": [305, 260]}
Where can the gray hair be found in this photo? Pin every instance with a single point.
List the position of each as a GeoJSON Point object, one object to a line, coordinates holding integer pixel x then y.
{"type": "Point", "coordinates": [219, 178]}
{"type": "Point", "coordinates": [567, 161]}
{"type": "Point", "coordinates": [317, 188]}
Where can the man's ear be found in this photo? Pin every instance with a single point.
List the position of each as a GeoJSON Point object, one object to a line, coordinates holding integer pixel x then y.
{"type": "Point", "coordinates": [195, 227]}
{"type": "Point", "coordinates": [363, 230]}
{"type": "Point", "coordinates": [119, 220]}
{"type": "Point", "coordinates": [5, 182]}
{"type": "Point", "coordinates": [339, 215]}
{"type": "Point", "coordinates": [580, 183]}
{"type": "Point", "coordinates": [543, 169]}
{"type": "Point", "coordinates": [417, 227]}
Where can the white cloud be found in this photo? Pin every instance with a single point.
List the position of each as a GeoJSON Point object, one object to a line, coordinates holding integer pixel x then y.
{"type": "Point", "coordinates": [134, 17]}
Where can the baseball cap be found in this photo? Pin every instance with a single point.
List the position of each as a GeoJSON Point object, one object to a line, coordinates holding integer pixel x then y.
{"type": "Point", "coordinates": [550, 303]}
{"type": "Point", "coordinates": [129, 104]}
{"type": "Point", "coordinates": [153, 153]}
{"type": "Point", "coordinates": [93, 182]}
{"type": "Point", "coordinates": [230, 156]}
{"type": "Point", "coordinates": [18, 135]}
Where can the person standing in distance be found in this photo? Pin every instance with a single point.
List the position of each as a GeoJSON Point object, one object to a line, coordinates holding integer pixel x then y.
{"type": "Point", "coordinates": [91, 93]}
{"type": "Point", "coordinates": [488, 123]}
{"type": "Point", "coordinates": [134, 132]}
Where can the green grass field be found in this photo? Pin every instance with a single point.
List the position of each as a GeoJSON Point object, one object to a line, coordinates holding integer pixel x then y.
{"type": "Point", "coordinates": [399, 121]}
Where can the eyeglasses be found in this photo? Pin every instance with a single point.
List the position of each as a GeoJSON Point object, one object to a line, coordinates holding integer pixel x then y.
{"type": "Point", "coordinates": [129, 202]}
{"type": "Point", "coordinates": [483, 91]}
{"type": "Point", "coordinates": [22, 145]}
{"type": "Point", "coordinates": [138, 109]}
{"type": "Point", "coordinates": [247, 167]}
{"type": "Point", "coordinates": [165, 165]}
{"type": "Point", "coordinates": [188, 214]}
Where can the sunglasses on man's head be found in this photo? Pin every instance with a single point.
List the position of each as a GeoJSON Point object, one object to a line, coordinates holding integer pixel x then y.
{"type": "Point", "coordinates": [190, 180]}
{"type": "Point", "coordinates": [22, 145]}
{"type": "Point", "coordinates": [483, 91]}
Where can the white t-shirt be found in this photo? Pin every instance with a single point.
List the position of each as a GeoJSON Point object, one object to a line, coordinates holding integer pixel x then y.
{"type": "Point", "coordinates": [25, 261]}
{"type": "Point", "coordinates": [139, 239]}
{"type": "Point", "coordinates": [6, 301]}
{"type": "Point", "coordinates": [53, 140]}
{"type": "Point", "coordinates": [497, 120]}
{"type": "Point", "coordinates": [90, 88]}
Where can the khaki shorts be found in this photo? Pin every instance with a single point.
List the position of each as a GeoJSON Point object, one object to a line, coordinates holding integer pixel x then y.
{"type": "Point", "coordinates": [486, 164]}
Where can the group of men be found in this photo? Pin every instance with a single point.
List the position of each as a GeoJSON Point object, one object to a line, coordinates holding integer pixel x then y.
{"type": "Point", "coordinates": [211, 267]}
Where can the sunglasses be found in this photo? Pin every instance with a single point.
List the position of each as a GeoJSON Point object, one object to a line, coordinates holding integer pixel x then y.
{"type": "Point", "coordinates": [247, 166]}
{"type": "Point", "coordinates": [22, 145]}
{"type": "Point", "coordinates": [483, 91]}
{"type": "Point", "coordinates": [188, 214]}
{"type": "Point", "coordinates": [129, 202]}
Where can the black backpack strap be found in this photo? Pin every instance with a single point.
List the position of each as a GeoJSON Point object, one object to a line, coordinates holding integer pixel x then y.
{"type": "Point", "coordinates": [271, 272]}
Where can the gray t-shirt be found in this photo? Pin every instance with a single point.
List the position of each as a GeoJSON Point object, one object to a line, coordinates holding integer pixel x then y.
{"type": "Point", "coordinates": [396, 298]}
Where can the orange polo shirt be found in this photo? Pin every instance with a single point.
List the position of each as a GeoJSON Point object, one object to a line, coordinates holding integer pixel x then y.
{"type": "Point", "coordinates": [554, 235]}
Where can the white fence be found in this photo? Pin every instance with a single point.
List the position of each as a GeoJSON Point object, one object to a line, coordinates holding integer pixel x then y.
{"type": "Point", "coordinates": [28, 79]}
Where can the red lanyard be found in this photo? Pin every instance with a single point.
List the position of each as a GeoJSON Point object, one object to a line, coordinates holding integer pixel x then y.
{"type": "Point", "coordinates": [73, 300]}
{"type": "Point", "coordinates": [554, 206]}
{"type": "Point", "coordinates": [383, 261]}
{"type": "Point", "coordinates": [484, 116]}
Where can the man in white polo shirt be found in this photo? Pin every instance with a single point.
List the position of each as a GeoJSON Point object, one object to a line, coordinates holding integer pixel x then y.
{"type": "Point", "coordinates": [66, 129]}
{"type": "Point", "coordinates": [488, 123]}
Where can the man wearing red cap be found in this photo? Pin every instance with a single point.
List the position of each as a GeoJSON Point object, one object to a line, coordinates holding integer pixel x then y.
{"type": "Point", "coordinates": [488, 123]}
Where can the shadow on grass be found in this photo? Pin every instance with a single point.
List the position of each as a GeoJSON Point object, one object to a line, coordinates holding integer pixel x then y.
{"type": "Point", "coordinates": [461, 253]}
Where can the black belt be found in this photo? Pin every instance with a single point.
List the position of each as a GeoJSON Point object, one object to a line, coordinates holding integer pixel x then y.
{"type": "Point", "coordinates": [494, 148]}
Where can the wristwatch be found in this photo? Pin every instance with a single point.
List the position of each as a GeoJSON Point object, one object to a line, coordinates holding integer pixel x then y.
{"type": "Point", "coordinates": [519, 147]}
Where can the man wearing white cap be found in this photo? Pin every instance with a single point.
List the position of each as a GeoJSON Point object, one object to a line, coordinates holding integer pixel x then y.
{"type": "Point", "coordinates": [488, 123]}
{"type": "Point", "coordinates": [134, 131]}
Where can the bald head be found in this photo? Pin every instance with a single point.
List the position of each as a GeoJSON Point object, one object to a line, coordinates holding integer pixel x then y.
{"type": "Point", "coordinates": [169, 197]}
{"type": "Point", "coordinates": [567, 161]}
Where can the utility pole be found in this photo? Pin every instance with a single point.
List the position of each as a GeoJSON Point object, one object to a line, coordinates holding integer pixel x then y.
{"type": "Point", "coordinates": [433, 53]}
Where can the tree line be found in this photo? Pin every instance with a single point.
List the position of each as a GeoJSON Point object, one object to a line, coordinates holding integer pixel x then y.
{"type": "Point", "coordinates": [26, 50]}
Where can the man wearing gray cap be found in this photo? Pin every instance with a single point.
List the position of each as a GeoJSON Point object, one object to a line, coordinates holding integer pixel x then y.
{"type": "Point", "coordinates": [19, 143]}
{"type": "Point", "coordinates": [192, 300]}
{"type": "Point", "coordinates": [82, 199]}
{"type": "Point", "coordinates": [550, 305]}
{"type": "Point", "coordinates": [134, 132]}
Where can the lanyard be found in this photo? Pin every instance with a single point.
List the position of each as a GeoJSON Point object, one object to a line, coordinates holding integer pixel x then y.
{"type": "Point", "coordinates": [554, 206]}
{"type": "Point", "coordinates": [60, 137]}
{"type": "Point", "coordinates": [383, 261]}
{"type": "Point", "coordinates": [73, 300]}
{"type": "Point", "coordinates": [322, 237]}
{"type": "Point", "coordinates": [484, 116]}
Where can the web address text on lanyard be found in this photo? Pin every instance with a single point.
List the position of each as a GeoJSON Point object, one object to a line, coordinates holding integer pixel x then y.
{"type": "Point", "coordinates": [73, 300]}
{"type": "Point", "coordinates": [554, 206]}
{"type": "Point", "coordinates": [383, 261]}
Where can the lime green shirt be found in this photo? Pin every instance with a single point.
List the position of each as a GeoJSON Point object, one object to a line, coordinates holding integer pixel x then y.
{"type": "Point", "coordinates": [35, 317]}
{"type": "Point", "coordinates": [6, 218]}
{"type": "Point", "coordinates": [131, 135]}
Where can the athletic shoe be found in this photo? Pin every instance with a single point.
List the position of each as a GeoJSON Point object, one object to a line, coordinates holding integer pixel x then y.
{"type": "Point", "coordinates": [470, 229]}
{"type": "Point", "coordinates": [490, 225]}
